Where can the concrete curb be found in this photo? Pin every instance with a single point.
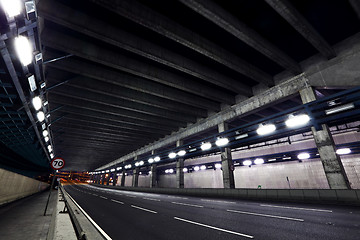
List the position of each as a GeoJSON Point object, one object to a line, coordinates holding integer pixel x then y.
{"type": "Point", "coordinates": [323, 196]}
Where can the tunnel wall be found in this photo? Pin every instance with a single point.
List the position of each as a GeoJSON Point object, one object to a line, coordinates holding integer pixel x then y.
{"type": "Point", "coordinates": [308, 174]}
{"type": "Point", "coordinates": [15, 186]}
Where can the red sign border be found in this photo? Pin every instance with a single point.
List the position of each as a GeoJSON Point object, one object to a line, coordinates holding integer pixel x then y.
{"type": "Point", "coordinates": [54, 160]}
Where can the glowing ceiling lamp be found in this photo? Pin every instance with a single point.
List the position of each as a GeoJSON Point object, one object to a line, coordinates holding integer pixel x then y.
{"type": "Point", "coordinates": [172, 155]}
{"type": "Point", "coordinates": [297, 121]}
{"type": "Point", "coordinates": [302, 156]}
{"type": "Point", "coordinates": [12, 7]}
{"type": "Point", "coordinates": [205, 146]}
{"type": "Point", "coordinates": [24, 50]}
{"type": "Point", "coordinates": [266, 129]}
{"type": "Point", "coordinates": [220, 142]}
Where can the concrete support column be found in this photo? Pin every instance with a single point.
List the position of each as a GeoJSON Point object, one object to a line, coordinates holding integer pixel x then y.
{"type": "Point", "coordinates": [153, 177]}
{"type": "Point", "coordinates": [135, 179]}
{"type": "Point", "coordinates": [103, 179]}
{"type": "Point", "coordinates": [226, 162]}
{"type": "Point", "coordinates": [333, 167]}
{"type": "Point", "coordinates": [122, 183]}
{"type": "Point", "coordinates": [108, 179]}
{"type": "Point", "coordinates": [179, 168]}
{"type": "Point", "coordinates": [115, 177]}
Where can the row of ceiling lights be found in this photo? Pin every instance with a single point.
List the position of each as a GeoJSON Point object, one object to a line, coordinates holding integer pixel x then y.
{"type": "Point", "coordinates": [257, 161]}
{"type": "Point", "coordinates": [24, 51]}
{"type": "Point", "coordinates": [264, 129]}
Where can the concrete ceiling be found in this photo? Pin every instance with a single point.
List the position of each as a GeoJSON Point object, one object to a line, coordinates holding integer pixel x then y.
{"type": "Point", "coordinates": [127, 73]}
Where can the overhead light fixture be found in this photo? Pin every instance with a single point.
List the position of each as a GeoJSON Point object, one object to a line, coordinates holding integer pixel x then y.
{"type": "Point", "coordinates": [112, 170]}
{"type": "Point", "coordinates": [241, 136]}
{"type": "Point", "coordinates": [259, 161]}
{"type": "Point", "coordinates": [32, 84]}
{"type": "Point", "coordinates": [196, 168]}
{"type": "Point", "coordinates": [51, 155]}
{"type": "Point", "coordinates": [46, 139]}
{"type": "Point", "coordinates": [24, 50]}
{"type": "Point", "coordinates": [107, 171]}
{"type": "Point", "coordinates": [37, 103]}
{"type": "Point", "coordinates": [181, 153]}
{"type": "Point", "coordinates": [171, 170]}
{"type": "Point", "coordinates": [247, 162]}
{"type": "Point", "coordinates": [185, 170]}
{"type": "Point", "coordinates": [172, 155]}
{"type": "Point", "coordinates": [118, 168]}
{"type": "Point", "coordinates": [50, 148]}
{"type": "Point", "coordinates": [141, 163]}
{"type": "Point", "coordinates": [298, 120]}
{"type": "Point", "coordinates": [303, 156]}
{"type": "Point", "coordinates": [342, 151]}
{"type": "Point", "coordinates": [205, 146]}
{"type": "Point", "coordinates": [202, 167]}
{"type": "Point", "coordinates": [157, 159]}
{"type": "Point", "coordinates": [218, 165]}
{"type": "Point", "coordinates": [272, 160]}
{"type": "Point", "coordinates": [167, 171]}
{"type": "Point", "coordinates": [151, 160]}
{"type": "Point", "coordinates": [102, 171]}
{"type": "Point", "coordinates": [340, 108]}
{"type": "Point", "coordinates": [265, 129]}
{"type": "Point", "coordinates": [137, 164]}
{"type": "Point", "coordinates": [45, 133]}
{"type": "Point", "coordinates": [12, 7]}
{"type": "Point", "coordinates": [40, 116]}
{"type": "Point", "coordinates": [220, 142]}
{"type": "Point", "coordinates": [30, 10]}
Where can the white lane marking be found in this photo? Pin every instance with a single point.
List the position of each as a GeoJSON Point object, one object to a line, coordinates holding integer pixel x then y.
{"type": "Point", "coordinates": [116, 201]}
{"type": "Point", "coordinates": [95, 195]}
{"type": "Point", "coordinates": [266, 215]}
{"type": "Point", "coordinates": [297, 208]}
{"type": "Point", "coordinates": [217, 201]}
{"type": "Point", "coordinates": [177, 197]}
{"type": "Point", "coordinates": [144, 209]}
{"type": "Point", "coordinates": [103, 197]}
{"type": "Point", "coordinates": [151, 199]}
{"type": "Point", "coordinates": [130, 196]}
{"type": "Point", "coordinates": [186, 204]}
{"type": "Point", "coordinates": [107, 237]}
{"type": "Point", "coordinates": [215, 228]}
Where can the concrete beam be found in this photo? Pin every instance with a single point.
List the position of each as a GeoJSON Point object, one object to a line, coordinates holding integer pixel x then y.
{"type": "Point", "coordinates": [287, 88]}
{"type": "Point", "coordinates": [148, 18]}
{"type": "Point", "coordinates": [297, 21]}
{"type": "Point", "coordinates": [85, 117]}
{"type": "Point", "coordinates": [90, 26]}
{"type": "Point", "coordinates": [240, 30]}
{"type": "Point", "coordinates": [344, 67]}
{"type": "Point", "coordinates": [79, 114]}
{"type": "Point", "coordinates": [121, 62]}
{"type": "Point", "coordinates": [77, 123]}
{"type": "Point", "coordinates": [69, 100]}
{"type": "Point", "coordinates": [129, 94]}
{"type": "Point", "coordinates": [356, 6]}
{"type": "Point", "coordinates": [95, 71]}
{"type": "Point", "coordinates": [125, 106]}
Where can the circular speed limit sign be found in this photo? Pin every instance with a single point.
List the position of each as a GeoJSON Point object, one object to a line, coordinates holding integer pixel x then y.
{"type": "Point", "coordinates": [57, 163]}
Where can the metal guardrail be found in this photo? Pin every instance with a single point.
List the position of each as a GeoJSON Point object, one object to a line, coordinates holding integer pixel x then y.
{"type": "Point", "coordinates": [85, 227]}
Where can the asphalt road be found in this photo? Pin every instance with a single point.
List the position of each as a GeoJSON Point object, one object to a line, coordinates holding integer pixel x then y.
{"type": "Point", "coordinates": [136, 215]}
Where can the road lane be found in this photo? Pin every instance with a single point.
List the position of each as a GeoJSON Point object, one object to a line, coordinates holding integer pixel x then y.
{"type": "Point", "coordinates": [339, 224]}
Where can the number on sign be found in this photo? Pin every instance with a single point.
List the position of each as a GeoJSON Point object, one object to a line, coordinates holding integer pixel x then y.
{"type": "Point", "coordinates": [57, 163]}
